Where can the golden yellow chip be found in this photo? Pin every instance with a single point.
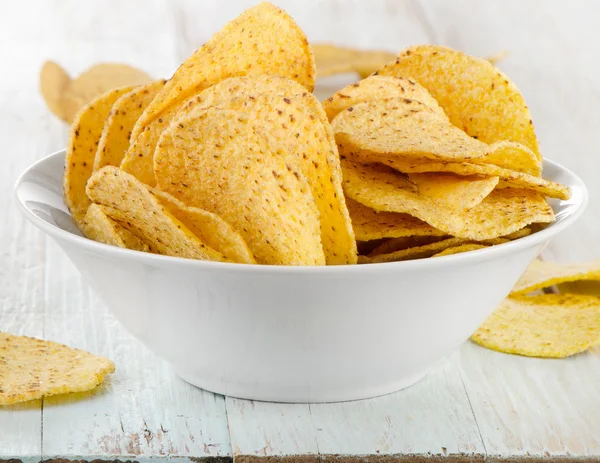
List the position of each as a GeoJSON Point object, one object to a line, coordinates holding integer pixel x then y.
{"type": "Point", "coordinates": [220, 161]}
{"type": "Point", "coordinates": [502, 212]}
{"type": "Point", "coordinates": [300, 125]}
{"type": "Point", "coordinates": [96, 81]}
{"type": "Point", "coordinates": [508, 178]}
{"type": "Point", "coordinates": [372, 225]}
{"type": "Point", "coordinates": [542, 274]}
{"type": "Point", "coordinates": [262, 40]}
{"type": "Point", "coordinates": [378, 88]}
{"type": "Point", "coordinates": [114, 141]}
{"type": "Point", "coordinates": [479, 98]}
{"type": "Point", "coordinates": [54, 81]}
{"type": "Point", "coordinates": [81, 149]}
{"type": "Point", "coordinates": [139, 160]}
{"type": "Point", "coordinates": [410, 129]}
{"type": "Point", "coordinates": [99, 227]}
{"type": "Point", "coordinates": [452, 190]}
{"type": "Point", "coordinates": [31, 369]}
{"type": "Point", "coordinates": [210, 228]}
{"type": "Point", "coordinates": [418, 252]}
{"type": "Point", "coordinates": [332, 59]}
{"type": "Point", "coordinates": [460, 249]}
{"type": "Point", "coordinates": [549, 325]}
{"type": "Point", "coordinates": [404, 242]}
{"type": "Point", "coordinates": [129, 203]}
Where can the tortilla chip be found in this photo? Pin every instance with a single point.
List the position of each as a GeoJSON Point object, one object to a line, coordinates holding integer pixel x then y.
{"type": "Point", "coordinates": [549, 325]}
{"type": "Point", "coordinates": [417, 252]}
{"type": "Point", "coordinates": [479, 98]}
{"type": "Point", "coordinates": [31, 369]}
{"type": "Point", "coordinates": [210, 228]}
{"type": "Point", "coordinates": [376, 88]}
{"type": "Point", "coordinates": [542, 274]}
{"type": "Point", "coordinates": [129, 203]}
{"type": "Point", "coordinates": [453, 190]}
{"type": "Point", "coordinates": [262, 40]}
{"type": "Point", "coordinates": [114, 141]}
{"type": "Point", "coordinates": [81, 149]}
{"type": "Point", "coordinates": [99, 227]}
{"type": "Point", "coordinates": [332, 59]}
{"type": "Point", "coordinates": [372, 225]}
{"type": "Point", "coordinates": [404, 242]}
{"type": "Point", "coordinates": [96, 81]}
{"type": "Point", "coordinates": [139, 160]}
{"type": "Point", "coordinates": [500, 213]}
{"type": "Point", "coordinates": [220, 161]}
{"type": "Point", "coordinates": [460, 249]}
{"type": "Point", "coordinates": [409, 129]}
{"type": "Point", "coordinates": [508, 178]}
{"type": "Point", "coordinates": [54, 81]}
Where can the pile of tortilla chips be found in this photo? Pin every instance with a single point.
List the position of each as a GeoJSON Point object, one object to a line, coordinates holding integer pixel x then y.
{"type": "Point", "coordinates": [233, 159]}
{"type": "Point", "coordinates": [545, 325]}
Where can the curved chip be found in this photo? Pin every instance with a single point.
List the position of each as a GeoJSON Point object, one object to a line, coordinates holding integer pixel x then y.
{"type": "Point", "coordinates": [502, 212]}
{"type": "Point", "coordinates": [32, 368]}
{"type": "Point", "coordinates": [417, 252]}
{"type": "Point", "coordinates": [378, 88]}
{"type": "Point", "coordinates": [549, 325]}
{"type": "Point", "coordinates": [477, 97]}
{"type": "Point", "coordinates": [410, 129]}
{"type": "Point", "coordinates": [508, 178]}
{"type": "Point", "coordinates": [210, 228]}
{"type": "Point", "coordinates": [543, 274]}
{"type": "Point", "coordinates": [372, 225]}
{"type": "Point", "coordinates": [81, 150]}
{"type": "Point", "coordinates": [139, 160]}
{"type": "Point", "coordinates": [453, 190]}
{"type": "Point", "coordinates": [99, 227]}
{"type": "Point", "coordinates": [221, 162]}
{"type": "Point", "coordinates": [54, 81]}
{"type": "Point", "coordinates": [460, 249]}
{"type": "Point", "coordinates": [114, 140]}
{"type": "Point", "coordinates": [262, 40]}
{"type": "Point", "coordinates": [332, 59]}
{"type": "Point", "coordinates": [129, 203]}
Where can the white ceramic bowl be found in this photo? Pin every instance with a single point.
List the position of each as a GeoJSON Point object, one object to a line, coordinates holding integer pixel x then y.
{"type": "Point", "coordinates": [294, 334]}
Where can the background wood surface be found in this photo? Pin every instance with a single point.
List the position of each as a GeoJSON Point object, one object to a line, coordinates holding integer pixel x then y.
{"type": "Point", "coordinates": [475, 404]}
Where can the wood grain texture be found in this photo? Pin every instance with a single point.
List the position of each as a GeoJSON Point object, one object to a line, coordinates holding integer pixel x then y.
{"type": "Point", "coordinates": [476, 404]}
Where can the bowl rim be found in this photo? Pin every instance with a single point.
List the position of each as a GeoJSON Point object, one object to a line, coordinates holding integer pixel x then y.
{"type": "Point", "coordinates": [475, 256]}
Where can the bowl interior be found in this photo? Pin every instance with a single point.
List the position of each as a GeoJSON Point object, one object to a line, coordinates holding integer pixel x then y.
{"type": "Point", "coordinates": [39, 192]}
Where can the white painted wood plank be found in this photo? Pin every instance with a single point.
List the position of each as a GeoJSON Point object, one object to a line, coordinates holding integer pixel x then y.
{"type": "Point", "coordinates": [20, 424]}
{"type": "Point", "coordinates": [143, 411]}
{"type": "Point", "coordinates": [535, 407]}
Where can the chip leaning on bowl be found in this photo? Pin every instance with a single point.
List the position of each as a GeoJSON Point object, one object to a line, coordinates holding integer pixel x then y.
{"type": "Point", "coordinates": [249, 147]}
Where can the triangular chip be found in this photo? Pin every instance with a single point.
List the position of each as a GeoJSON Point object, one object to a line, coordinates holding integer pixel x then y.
{"type": "Point", "coordinates": [139, 160]}
{"type": "Point", "coordinates": [129, 203]}
{"type": "Point", "coordinates": [508, 178]}
{"type": "Point", "coordinates": [114, 141]}
{"type": "Point", "coordinates": [31, 369]}
{"type": "Point", "coordinates": [478, 97]}
{"type": "Point", "coordinates": [81, 150]}
{"type": "Point", "coordinates": [453, 190]}
{"type": "Point", "coordinates": [500, 213]}
{"type": "Point", "coordinates": [210, 228]}
{"type": "Point", "coordinates": [409, 129]}
{"type": "Point", "coordinates": [220, 161]}
{"type": "Point", "coordinates": [372, 225]}
{"type": "Point", "coordinates": [549, 325]}
{"type": "Point", "coordinates": [262, 40]}
{"type": "Point", "coordinates": [379, 88]}
{"type": "Point", "coordinates": [99, 227]}
{"type": "Point", "coordinates": [542, 274]}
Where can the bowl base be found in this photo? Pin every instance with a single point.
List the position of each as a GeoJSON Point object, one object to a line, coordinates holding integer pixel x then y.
{"type": "Point", "coordinates": [286, 396]}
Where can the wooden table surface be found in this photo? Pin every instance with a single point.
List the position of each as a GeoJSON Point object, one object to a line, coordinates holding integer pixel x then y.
{"type": "Point", "coordinates": [476, 404]}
